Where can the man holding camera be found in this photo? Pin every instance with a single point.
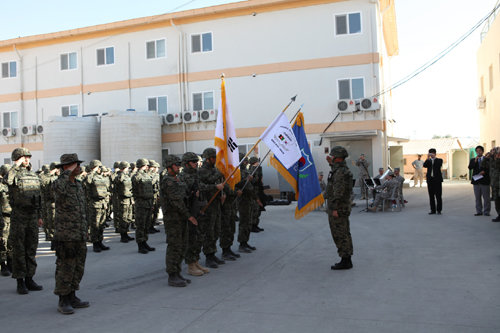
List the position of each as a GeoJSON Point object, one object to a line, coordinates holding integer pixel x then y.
{"type": "Point", "coordinates": [434, 181]}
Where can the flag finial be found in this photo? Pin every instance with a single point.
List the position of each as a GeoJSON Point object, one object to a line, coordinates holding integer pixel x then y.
{"type": "Point", "coordinates": [222, 75]}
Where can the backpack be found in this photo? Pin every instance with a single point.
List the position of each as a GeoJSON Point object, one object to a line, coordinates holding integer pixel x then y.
{"type": "Point", "coordinates": [27, 190]}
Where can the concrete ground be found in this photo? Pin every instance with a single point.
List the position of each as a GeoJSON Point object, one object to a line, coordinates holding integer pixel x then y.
{"type": "Point", "coordinates": [412, 273]}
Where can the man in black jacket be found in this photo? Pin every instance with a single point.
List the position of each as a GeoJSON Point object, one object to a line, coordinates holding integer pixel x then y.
{"type": "Point", "coordinates": [481, 182]}
{"type": "Point", "coordinates": [434, 181]}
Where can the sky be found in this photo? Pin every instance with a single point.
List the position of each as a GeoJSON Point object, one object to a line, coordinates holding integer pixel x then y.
{"type": "Point", "coordinates": [441, 101]}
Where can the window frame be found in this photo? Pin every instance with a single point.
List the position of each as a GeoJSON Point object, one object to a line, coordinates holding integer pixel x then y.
{"type": "Point", "coordinates": [10, 119]}
{"type": "Point", "coordinates": [157, 104]}
{"type": "Point", "coordinates": [350, 87]}
{"type": "Point", "coordinates": [9, 76]}
{"type": "Point", "coordinates": [156, 57]}
{"type": "Point", "coordinates": [203, 99]}
{"type": "Point", "coordinates": [69, 110]}
{"type": "Point", "coordinates": [105, 50]}
{"type": "Point", "coordinates": [68, 54]}
{"type": "Point", "coordinates": [347, 23]}
{"type": "Point", "coordinates": [201, 42]}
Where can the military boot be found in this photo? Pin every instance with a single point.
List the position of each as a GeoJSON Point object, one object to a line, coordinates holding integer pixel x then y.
{"type": "Point", "coordinates": [21, 287]}
{"type": "Point", "coordinates": [345, 263]}
{"type": "Point", "coordinates": [9, 264]}
{"type": "Point", "coordinates": [226, 255]}
{"type": "Point", "coordinates": [202, 268]}
{"type": "Point", "coordinates": [123, 237]}
{"type": "Point", "coordinates": [210, 261]}
{"type": "Point", "coordinates": [236, 255]}
{"type": "Point", "coordinates": [175, 281]}
{"type": "Point", "coordinates": [194, 270]}
{"type": "Point", "coordinates": [52, 245]}
{"type": "Point", "coordinates": [188, 281]}
{"type": "Point", "coordinates": [96, 247]}
{"type": "Point", "coordinates": [244, 249]}
{"type": "Point", "coordinates": [217, 260]}
{"type": "Point", "coordinates": [103, 247]}
{"type": "Point", "coordinates": [129, 238]}
{"type": "Point", "coordinates": [65, 305]}
{"type": "Point", "coordinates": [76, 302]}
{"type": "Point", "coordinates": [147, 247]}
{"type": "Point", "coordinates": [32, 285]}
{"type": "Point", "coordinates": [4, 271]}
{"type": "Point", "coordinates": [253, 248]}
{"type": "Point", "coordinates": [142, 249]}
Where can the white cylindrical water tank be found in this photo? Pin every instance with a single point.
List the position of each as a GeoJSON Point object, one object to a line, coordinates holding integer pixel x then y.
{"type": "Point", "coordinates": [130, 135]}
{"type": "Point", "coordinates": [66, 135]}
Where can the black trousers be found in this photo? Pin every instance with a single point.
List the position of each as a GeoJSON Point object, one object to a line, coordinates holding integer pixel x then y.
{"type": "Point", "coordinates": [435, 189]}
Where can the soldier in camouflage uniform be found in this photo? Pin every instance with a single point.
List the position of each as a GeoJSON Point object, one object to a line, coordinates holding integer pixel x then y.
{"type": "Point", "coordinates": [338, 193]}
{"type": "Point", "coordinates": [247, 197]}
{"type": "Point", "coordinates": [401, 181]}
{"type": "Point", "coordinates": [123, 197]}
{"type": "Point", "coordinates": [25, 200]}
{"type": "Point", "coordinates": [211, 181]}
{"type": "Point", "coordinates": [153, 171]}
{"type": "Point", "coordinates": [70, 234]}
{"type": "Point", "coordinates": [228, 224]}
{"type": "Point", "coordinates": [142, 188]}
{"type": "Point", "coordinates": [389, 189]}
{"type": "Point", "coordinates": [48, 201]}
{"type": "Point", "coordinates": [495, 180]}
{"type": "Point", "coordinates": [132, 172]}
{"type": "Point", "coordinates": [174, 193]}
{"type": "Point", "coordinates": [5, 248]}
{"type": "Point", "coordinates": [44, 176]}
{"type": "Point", "coordinates": [257, 206]}
{"type": "Point", "coordinates": [106, 173]}
{"type": "Point", "coordinates": [114, 201]}
{"type": "Point", "coordinates": [363, 164]}
{"type": "Point", "coordinates": [195, 201]}
{"type": "Point", "coordinates": [96, 187]}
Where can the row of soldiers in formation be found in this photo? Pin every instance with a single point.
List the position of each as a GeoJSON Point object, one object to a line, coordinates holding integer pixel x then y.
{"type": "Point", "coordinates": [133, 193]}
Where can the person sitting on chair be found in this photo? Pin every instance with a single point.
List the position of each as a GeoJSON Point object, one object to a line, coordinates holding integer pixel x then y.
{"type": "Point", "coordinates": [401, 181]}
{"type": "Point", "coordinates": [388, 190]}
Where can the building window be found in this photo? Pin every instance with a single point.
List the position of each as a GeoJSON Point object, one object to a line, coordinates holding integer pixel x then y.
{"type": "Point", "coordinates": [158, 104]}
{"type": "Point", "coordinates": [106, 56]}
{"type": "Point", "coordinates": [155, 49]}
{"type": "Point", "coordinates": [490, 72]}
{"type": "Point", "coordinates": [68, 61]}
{"type": "Point", "coordinates": [201, 42]}
{"type": "Point", "coordinates": [69, 110]}
{"type": "Point", "coordinates": [203, 101]}
{"type": "Point", "coordinates": [10, 119]}
{"type": "Point", "coordinates": [351, 88]}
{"type": "Point", "coordinates": [348, 24]}
{"type": "Point", "coordinates": [9, 69]}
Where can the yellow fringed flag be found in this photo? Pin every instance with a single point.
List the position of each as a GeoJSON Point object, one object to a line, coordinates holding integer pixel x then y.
{"type": "Point", "coordinates": [302, 175]}
{"type": "Point", "coordinates": [225, 142]}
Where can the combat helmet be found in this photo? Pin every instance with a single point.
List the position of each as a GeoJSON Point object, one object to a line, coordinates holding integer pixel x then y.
{"type": "Point", "coordinates": [189, 157]}
{"type": "Point", "coordinates": [209, 152]}
{"type": "Point", "coordinates": [116, 165]}
{"type": "Point", "coordinates": [4, 169]}
{"type": "Point", "coordinates": [123, 165]}
{"type": "Point", "coordinates": [53, 166]}
{"type": "Point", "coordinates": [45, 168]}
{"type": "Point", "coordinates": [253, 160]}
{"type": "Point", "coordinates": [171, 160]}
{"type": "Point", "coordinates": [20, 152]}
{"type": "Point", "coordinates": [94, 163]}
{"type": "Point", "coordinates": [142, 162]}
{"type": "Point", "coordinates": [339, 151]}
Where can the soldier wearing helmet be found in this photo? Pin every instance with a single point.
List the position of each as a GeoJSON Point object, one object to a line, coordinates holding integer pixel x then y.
{"type": "Point", "coordinates": [247, 195]}
{"type": "Point", "coordinates": [97, 187]}
{"type": "Point", "coordinates": [122, 213]}
{"type": "Point", "coordinates": [5, 248]}
{"type": "Point", "coordinates": [173, 200]}
{"type": "Point", "coordinates": [256, 170]}
{"type": "Point", "coordinates": [338, 195]}
{"type": "Point", "coordinates": [211, 182]}
{"type": "Point", "coordinates": [48, 201]}
{"type": "Point", "coordinates": [142, 188]}
{"type": "Point", "coordinates": [195, 202]}
{"type": "Point", "coordinates": [25, 200]}
{"type": "Point", "coordinates": [389, 189]}
{"type": "Point", "coordinates": [153, 171]}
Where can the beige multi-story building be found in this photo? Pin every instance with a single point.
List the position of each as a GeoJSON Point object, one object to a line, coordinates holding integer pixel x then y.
{"type": "Point", "coordinates": [334, 54]}
{"type": "Point", "coordinates": [488, 68]}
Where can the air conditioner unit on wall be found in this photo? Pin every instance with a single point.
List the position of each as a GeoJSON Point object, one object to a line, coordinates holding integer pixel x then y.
{"type": "Point", "coordinates": [369, 104]}
{"type": "Point", "coordinates": [172, 118]}
{"type": "Point", "coordinates": [7, 132]}
{"type": "Point", "coordinates": [481, 102]}
{"type": "Point", "coordinates": [28, 130]}
{"type": "Point", "coordinates": [208, 115]}
{"type": "Point", "coordinates": [191, 116]}
{"type": "Point", "coordinates": [346, 105]}
{"type": "Point", "coordinates": [39, 129]}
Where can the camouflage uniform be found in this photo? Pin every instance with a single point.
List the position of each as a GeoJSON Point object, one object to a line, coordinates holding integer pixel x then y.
{"type": "Point", "coordinates": [97, 195]}
{"type": "Point", "coordinates": [48, 204]}
{"type": "Point", "coordinates": [44, 180]}
{"type": "Point", "coordinates": [338, 193]}
{"type": "Point", "coordinates": [156, 197]}
{"type": "Point", "coordinates": [25, 200]}
{"type": "Point", "coordinates": [142, 188]}
{"type": "Point", "coordinates": [245, 204]}
{"type": "Point", "coordinates": [363, 164]}
{"type": "Point", "coordinates": [123, 201]}
{"type": "Point", "coordinates": [257, 185]}
{"type": "Point", "coordinates": [387, 190]}
{"type": "Point", "coordinates": [5, 248]}
{"type": "Point", "coordinates": [228, 220]}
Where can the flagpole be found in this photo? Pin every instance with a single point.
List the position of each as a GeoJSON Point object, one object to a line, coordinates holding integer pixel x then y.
{"type": "Point", "coordinates": [238, 166]}
{"type": "Point", "coordinates": [265, 156]}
